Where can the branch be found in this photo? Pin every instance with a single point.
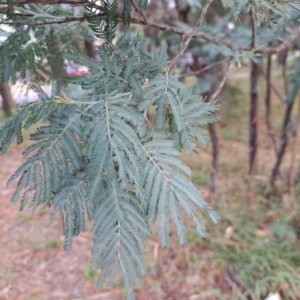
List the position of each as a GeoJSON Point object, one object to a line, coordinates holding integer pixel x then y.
{"type": "Point", "coordinates": [179, 47]}
{"type": "Point", "coordinates": [201, 35]}
{"type": "Point", "coordinates": [291, 175]}
{"type": "Point", "coordinates": [66, 20]}
{"type": "Point", "coordinates": [253, 103]}
{"type": "Point", "coordinates": [198, 72]}
{"type": "Point", "coordinates": [221, 84]}
{"type": "Point", "coordinates": [49, 2]}
{"type": "Point", "coordinates": [272, 85]}
{"type": "Point", "coordinates": [214, 40]}
{"type": "Point", "coordinates": [253, 28]}
{"type": "Point", "coordinates": [293, 6]}
{"type": "Point", "coordinates": [190, 36]}
{"type": "Point", "coordinates": [140, 11]}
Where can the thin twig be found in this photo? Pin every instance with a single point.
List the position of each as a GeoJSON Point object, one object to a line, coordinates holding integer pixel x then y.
{"type": "Point", "coordinates": [272, 85]}
{"type": "Point", "coordinates": [190, 36]}
{"type": "Point", "coordinates": [49, 2]}
{"type": "Point", "coordinates": [179, 47]}
{"type": "Point", "coordinates": [140, 11]}
{"type": "Point", "coordinates": [221, 84]}
{"type": "Point", "coordinates": [66, 20]}
{"type": "Point", "coordinates": [213, 135]}
{"type": "Point", "coordinates": [198, 72]}
{"type": "Point", "coordinates": [201, 35]}
{"type": "Point", "coordinates": [293, 6]}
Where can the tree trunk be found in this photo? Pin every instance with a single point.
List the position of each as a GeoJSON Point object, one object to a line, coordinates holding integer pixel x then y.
{"type": "Point", "coordinates": [253, 118]}
{"type": "Point", "coordinates": [211, 127]}
{"type": "Point", "coordinates": [253, 105]}
{"type": "Point", "coordinates": [215, 156]}
{"type": "Point", "coordinates": [90, 48]}
{"type": "Point", "coordinates": [7, 99]}
{"type": "Point", "coordinates": [214, 145]}
{"type": "Point", "coordinates": [291, 175]}
{"type": "Point", "coordinates": [56, 60]}
{"type": "Point", "coordinates": [283, 141]}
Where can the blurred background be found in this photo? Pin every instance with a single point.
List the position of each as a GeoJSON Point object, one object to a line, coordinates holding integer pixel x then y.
{"type": "Point", "coordinates": [253, 183]}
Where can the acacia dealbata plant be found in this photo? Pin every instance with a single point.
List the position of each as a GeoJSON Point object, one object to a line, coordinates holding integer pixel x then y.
{"type": "Point", "coordinates": [98, 156]}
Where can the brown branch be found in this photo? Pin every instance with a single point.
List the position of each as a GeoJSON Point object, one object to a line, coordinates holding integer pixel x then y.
{"type": "Point", "coordinates": [198, 72]}
{"type": "Point", "coordinates": [213, 135]}
{"type": "Point", "coordinates": [191, 34]}
{"type": "Point", "coordinates": [284, 70]}
{"type": "Point", "coordinates": [66, 20]}
{"type": "Point", "coordinates": [20, 3]}
{"type": "Point", "coordinates": [7, 99]}
{"type": "Point", "coordinates": [215, 157]}
{"type": "Point", "coordinates": [49, 2]}
{"type": "Point", "coordinates": [214, 40]}
{"type": "Point", "coordinates": [253, 103]}
{"type": "Point", "coordinates": [221, 84]}
{"type": "Point", "coordinates": [293, 6]}
{"type": "Point", "coordinates": [253, 28]}
{"type": "Point", "coordinates": [201, 35]}
{"type": "Point", "coordinates": [140, 11]}
{"type": "Point", "coordinates": [179, 47]}
{"type": "Point", "coordinates": [90, 48]}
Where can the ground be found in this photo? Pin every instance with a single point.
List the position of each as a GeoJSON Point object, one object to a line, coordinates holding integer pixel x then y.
{"type": "Point", "coordinates": [256, 238]}
{"type": "Point", "coordinates": [33, 265]}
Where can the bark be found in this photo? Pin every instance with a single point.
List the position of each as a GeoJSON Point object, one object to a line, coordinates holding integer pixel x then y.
{"type": "Point", "coordinates": [283, 141]}
{"type": "Point", "coordinates": [281, 58]}
{"type": "Point", "coordinates": [217, 88]}
{"type": "Point", "coordinates": [215, 148]}
{"type": "Point", "coordinates": [211, 127]}
{"type": "Point", "coordinates": [253, 106]}
{"type": "Point", "coordinates": [7, 99]}
{"type": "Point", "coordinates": [90, 48]}
{"type": "Point", "coordinates": [284, 72]}
{"type": "Point", "coordinates": [253, 118]}
{"type": "Point", "coordinates": [56, 60]}
{"type": "Point", "coordinates": [215, 156]}
{"type": "Point", "coordinates": [270, 130]}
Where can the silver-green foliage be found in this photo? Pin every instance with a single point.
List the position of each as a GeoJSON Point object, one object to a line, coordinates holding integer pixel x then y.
{"type": "Point", "coordinates": [99, 157]}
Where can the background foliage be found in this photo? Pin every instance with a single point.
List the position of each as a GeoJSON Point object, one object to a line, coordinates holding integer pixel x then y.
{"type": "Point", "coordinates": [98, 154]}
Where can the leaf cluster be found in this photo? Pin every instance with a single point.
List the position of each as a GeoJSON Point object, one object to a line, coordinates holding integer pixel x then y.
{"type": "Point", "coordinates": [99, 158]}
